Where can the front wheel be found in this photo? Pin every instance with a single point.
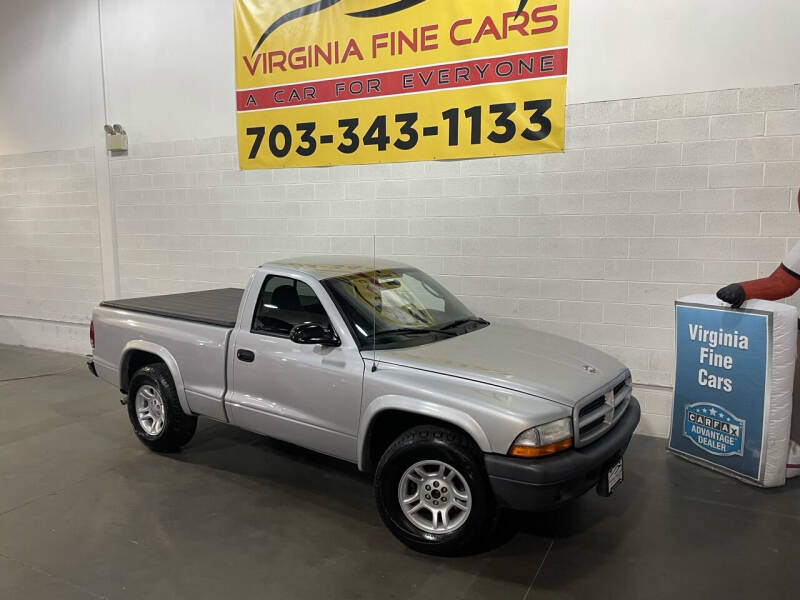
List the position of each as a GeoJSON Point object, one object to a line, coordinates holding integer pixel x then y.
{"type": "Point", "coordinates": [432, 491]}
{"type": "Point", "coordinates": [155, 411]}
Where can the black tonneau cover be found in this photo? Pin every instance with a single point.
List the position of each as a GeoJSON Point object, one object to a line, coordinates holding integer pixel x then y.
{"type": "Point", "coordinates": [213, 307]}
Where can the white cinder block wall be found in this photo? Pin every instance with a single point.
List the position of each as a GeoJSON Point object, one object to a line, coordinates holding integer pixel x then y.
{"type": "Point", "coordinates": [50, 274]}
{"type": "Point", "coordinates": [653, 199]}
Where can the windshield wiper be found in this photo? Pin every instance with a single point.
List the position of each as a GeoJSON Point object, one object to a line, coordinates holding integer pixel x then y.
{"type": "Point", "coordinates": [443, 329]}
{"type": "Point", "coordinates": [413, 330]}
{"type": "Point", "coordinates": [464, 322]}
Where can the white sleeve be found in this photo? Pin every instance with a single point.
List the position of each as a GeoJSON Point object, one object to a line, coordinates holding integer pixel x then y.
{"type": "Point", "coordinates": [792, 260]}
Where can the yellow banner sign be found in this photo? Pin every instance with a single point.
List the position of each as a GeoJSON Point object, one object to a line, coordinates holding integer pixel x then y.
{"type": "Point", "coordinates": [338, 82]}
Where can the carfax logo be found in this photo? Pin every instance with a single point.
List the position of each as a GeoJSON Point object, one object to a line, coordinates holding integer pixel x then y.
{"type": "Point", "coordinates": [714, 429]}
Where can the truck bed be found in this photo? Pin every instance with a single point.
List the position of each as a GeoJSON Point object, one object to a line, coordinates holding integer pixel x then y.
{"type": "Point", "coordinates": [213, 307]}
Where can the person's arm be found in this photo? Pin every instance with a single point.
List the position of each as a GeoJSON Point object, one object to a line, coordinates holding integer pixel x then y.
{"type": "Point", "coordinates": [782, 283]}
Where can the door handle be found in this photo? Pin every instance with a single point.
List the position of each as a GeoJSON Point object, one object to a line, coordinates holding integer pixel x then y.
{"type": "Point", "coordinates": [245, 355]}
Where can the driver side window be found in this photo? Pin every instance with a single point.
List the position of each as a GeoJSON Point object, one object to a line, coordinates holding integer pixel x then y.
{"type": "Point", "coordinates": [285, 302]}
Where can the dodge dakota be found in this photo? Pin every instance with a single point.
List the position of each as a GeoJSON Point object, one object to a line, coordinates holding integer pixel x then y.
{"type": "Point", "coordinates": [378, 364]}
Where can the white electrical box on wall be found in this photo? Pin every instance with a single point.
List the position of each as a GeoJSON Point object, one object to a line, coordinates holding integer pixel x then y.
{"type": "Point", "coordinates": [117, 141]}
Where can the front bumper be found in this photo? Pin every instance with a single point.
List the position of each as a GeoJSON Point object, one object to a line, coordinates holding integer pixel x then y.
{"type": "Point", "coordinates": [539, 484]}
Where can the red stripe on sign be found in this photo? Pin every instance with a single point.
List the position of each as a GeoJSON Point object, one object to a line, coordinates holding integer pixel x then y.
{"type": "Point", "coordinates": [467, 73]}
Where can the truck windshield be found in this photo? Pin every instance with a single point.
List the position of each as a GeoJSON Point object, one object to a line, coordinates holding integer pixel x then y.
{"type": "Point", "coordinates": [400, 307]}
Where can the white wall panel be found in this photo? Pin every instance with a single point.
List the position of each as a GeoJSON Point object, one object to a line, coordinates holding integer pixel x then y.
{"type": "Point", "coordinates": [169, 67]}
{"type": "Point", "coordinates": [44, 75]}
{"type": "Point", "coordinates": [631, 48]}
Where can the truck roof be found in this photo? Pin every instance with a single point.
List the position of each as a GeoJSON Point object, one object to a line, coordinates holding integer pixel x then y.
{"type": "Point", "coordinates": [324, 266]}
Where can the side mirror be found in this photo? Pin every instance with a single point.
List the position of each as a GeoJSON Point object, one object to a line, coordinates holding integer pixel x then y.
{"type": "Point", "coordinates": [312, 333]}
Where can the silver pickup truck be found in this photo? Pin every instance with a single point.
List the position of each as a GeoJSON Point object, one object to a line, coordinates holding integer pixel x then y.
{"type": "Point", "coordinates": [380, 365]}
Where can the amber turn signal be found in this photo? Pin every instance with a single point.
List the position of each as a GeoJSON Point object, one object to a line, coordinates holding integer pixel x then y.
{"type": "Point", "coordinates": [533, 451]}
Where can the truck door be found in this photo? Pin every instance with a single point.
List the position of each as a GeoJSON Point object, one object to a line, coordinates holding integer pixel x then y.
{"type": "Point", "coordinates": [306, 394]}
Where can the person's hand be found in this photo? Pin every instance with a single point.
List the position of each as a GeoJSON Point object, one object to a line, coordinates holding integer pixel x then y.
{"type": "Point", "coordinates": [733, 294]}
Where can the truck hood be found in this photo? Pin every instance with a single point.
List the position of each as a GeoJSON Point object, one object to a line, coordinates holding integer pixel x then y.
{"type": "Point", "coordinates": [515, 358]}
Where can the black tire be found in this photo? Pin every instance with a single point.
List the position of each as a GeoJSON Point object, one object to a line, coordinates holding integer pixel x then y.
{"type": "Point", "coordinates": [427, 442]}
{"type": "Point", "coordinates": [178, 426]}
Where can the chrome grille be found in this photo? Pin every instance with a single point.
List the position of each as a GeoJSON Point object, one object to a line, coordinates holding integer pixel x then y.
{"type": "Point", "coordinates": [594, 415]}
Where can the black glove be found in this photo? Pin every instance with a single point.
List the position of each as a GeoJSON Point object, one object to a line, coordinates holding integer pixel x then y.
{"type": "Point", "coordinates": [733, 294]}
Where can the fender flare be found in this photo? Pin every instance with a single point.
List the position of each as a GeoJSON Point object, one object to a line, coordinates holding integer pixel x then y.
{"type": "Point", "coordinates": [164, 355]}
{"type": "Point", "coordinates": [423, 408]}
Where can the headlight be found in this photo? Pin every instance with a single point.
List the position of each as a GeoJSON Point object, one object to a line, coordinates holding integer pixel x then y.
{"type": "Point", "coordinates": [543, 440]}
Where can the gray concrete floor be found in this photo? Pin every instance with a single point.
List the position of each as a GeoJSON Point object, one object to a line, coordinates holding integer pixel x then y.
{"type": "Point", "coordinates": [87, 512]}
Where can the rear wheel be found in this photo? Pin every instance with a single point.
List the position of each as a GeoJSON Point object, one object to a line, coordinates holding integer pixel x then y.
{"type": "Point", "coordinates": [432, 491]}
{"type": "Point", "coordinates": [155, 411]}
